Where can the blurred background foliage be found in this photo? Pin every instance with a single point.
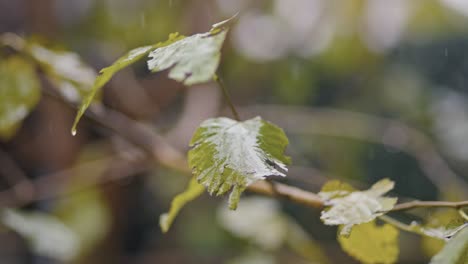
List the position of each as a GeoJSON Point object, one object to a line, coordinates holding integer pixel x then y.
{"type": "Point", "coordinates": [365, 89]}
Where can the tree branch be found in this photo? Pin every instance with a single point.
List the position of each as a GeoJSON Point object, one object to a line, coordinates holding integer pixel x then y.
{"type": "Point", "coordinates": [425, 204]}
{"type": "Point", "coordinates": [147, 139]}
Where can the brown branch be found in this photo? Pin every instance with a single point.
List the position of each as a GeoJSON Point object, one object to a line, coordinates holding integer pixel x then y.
{"type": "Point", "coordinates": [146, 138]}
{"type": "Point", "coordinates": [56, 184]}
{"type": "Point", "coordinates": [426, 204]}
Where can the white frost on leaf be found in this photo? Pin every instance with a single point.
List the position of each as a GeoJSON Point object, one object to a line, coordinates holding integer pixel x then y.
{"type": "Point", "coordinates": [191, 60]}
{"type": "Point", "coordinates": [358, 207]}
{"type": "Point", "coordinates": [137, 52]}
{"type": "Point", "coordinates": [237, 148]}
{"type": "Point", "coordinates": [229, 154]}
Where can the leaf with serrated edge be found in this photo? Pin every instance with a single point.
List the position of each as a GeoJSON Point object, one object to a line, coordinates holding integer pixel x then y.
{"type": "Point", "coordinates": [19, 93]}
{"type": "Point", "coordinates": [193, 190]}
{"type": "Point", "coordinates": [230, 155]}
{"type": "Point", "coordinates": [357, 207]}
{"type": "Point", "coordinates": [455, 251]}
{"type": "Point", "coordinates": [106, 74]}
{"type": "Point", "coordinates": [370, 243]}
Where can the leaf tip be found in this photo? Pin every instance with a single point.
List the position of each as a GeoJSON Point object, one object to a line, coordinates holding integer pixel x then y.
{"type": "Point", "coordinates": [164, 222]}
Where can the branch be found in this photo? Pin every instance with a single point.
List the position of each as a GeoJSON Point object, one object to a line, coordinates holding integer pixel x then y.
{"type": "Point", "coordinates": [426, 204]}
{"type": "Point", "coordinates": [144, 137]}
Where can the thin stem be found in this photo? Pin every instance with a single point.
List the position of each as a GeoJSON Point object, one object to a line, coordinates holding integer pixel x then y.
{"type": "Point", "coordinates": [423, 204]}
{"type": "Point", "coordinates": [227, 97]}
{"type": "Point", "coordinates": [463, 214]}
{"type": "Point", "coordinates": [408, 228]}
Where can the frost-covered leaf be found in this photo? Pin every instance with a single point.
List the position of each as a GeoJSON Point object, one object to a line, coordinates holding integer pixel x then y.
{"type": "Point", "coordinates": [230, 155]}
{"type": "Point", "coordinates": [370, 243]}
{"type": "Point", "coordinates": [190, 60]}
{"type": "Point", "coordinates": [106, 74]}
{"type": "Point", "coordinates": [445, 233]}
{"type": "Point", "coordinates": [193, 190]}
{"type": "Point", "coordinates": [70, 75]}
{"type": "Point", "coordinates": [440, 227]}
{"type": "Point", "coordinates": [455, 251]}
{"type": "Point", "coordinates": [356, 207]}
{"type": "Point", "coordinates": [19, 93]}
{"type": "Point", "coordinates": [46, 235]}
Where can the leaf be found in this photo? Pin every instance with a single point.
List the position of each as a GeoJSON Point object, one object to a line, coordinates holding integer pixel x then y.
{"type": "Point", "coordinates": [356, 207]}
{"type": "Point", "coordinates": [335, 189]}
{"type": "Point", "coordinates": [455, 251]}
{"type": "Point", "coordinates": [191, 60]}
{"type": "Point", "coordinates": [46, 235]}
{"type": "Point", "coordinates": [230, 155]}
{"type": "Point", "coordinates": [19, 93]}
{"type": "Point", "coordinates": [106, 74]}
{"type": "Point", "coordinates": [69, 74]}
{"type": "Point", "coordinates": [440, 227]}
{"type": "Point", "coordinates": [370, 243]}
{"type": "Point", "coordinates": [193, 190]}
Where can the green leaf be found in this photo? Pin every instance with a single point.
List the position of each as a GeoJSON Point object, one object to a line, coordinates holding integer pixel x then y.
{"type": "Point", "coordinates": [191, 60]}
{"type": "Point", "coordinates": [106, 74]}
{"type": "Point", "coordinates": [193, 190]}
{"type": "Point", "coordinates": [455, 251]}
{"type": "Point", "coordinates": [65, 70]}
{"type": "Point", "coordinates": [19, 93]}
{"type": "Point", "coordinates": [46, 235]}
{"type": "Point", "coordinates": [370, 243]}
{"type": "Point", "coordinates": [230, 155]}
{"type": "Point", "coordinates": [356, 207]}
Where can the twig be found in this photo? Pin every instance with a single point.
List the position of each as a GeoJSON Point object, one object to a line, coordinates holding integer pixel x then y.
{"type": "Point", "coordinates": [408, 228]}
{"type": "Point", "coordinates": [462, 213]}
{"type": "Point", "coordinates": [53, 185]}
{"type": "Point", "coordinates": [425, 204]}
{"type": "Point", "coordinates": [227, 97]}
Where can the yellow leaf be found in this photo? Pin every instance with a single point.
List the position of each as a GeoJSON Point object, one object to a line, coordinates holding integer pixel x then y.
{"type": "Point", "coordinates": [193, 190]}
{"type": "Point", "coordinates": [370, 243]}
